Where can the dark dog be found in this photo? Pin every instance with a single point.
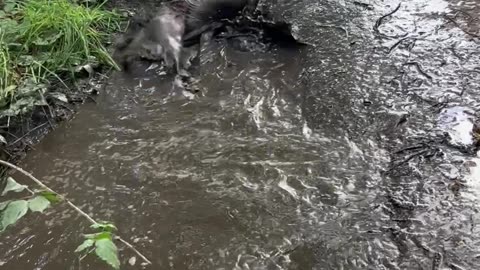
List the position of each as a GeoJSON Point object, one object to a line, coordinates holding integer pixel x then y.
{"type": "Point", "coordinates": [181, 23]}
{"type": "Point", "coordinates": [160, 36]}
{"type": "Point", "coordinates": [208, 15]}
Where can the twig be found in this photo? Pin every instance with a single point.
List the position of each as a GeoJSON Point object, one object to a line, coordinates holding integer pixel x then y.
{"type": "Point", "coordinates": [409, 148]}
{"type": "Point", "coordinates": [80, 211]}
{"type": "Point", "coordinates": [454, 51]}
{"type": "Point", "coordinates": [380, 20]}
{"type": "Point", "coordinates": [66, 108]}
{"type": "Point", "coordinates": [46, 116]}
{"type": "Point", "coordinates": [11, 134]}
{"type": "Point", "coordinates": [24, 135]}
{"type": "Point", "coordinates": [54, 74]}
{"type": "Point", "coordinates": [398, 44]}
{"type": "Point", "coordinates": [474, 35]}
{"type": "Point", "coordinates": [91, 98]}
{"type": "Point", "coordinates": [6, 152]}
{"type": "Point", "coordinates": [238, 35]}
{"type": "Point", "coordinates": [133, 248]}
{"type": "Point", "coordinates": [407, 159]}
{"type": "Point", "coordinates": [419, 69]}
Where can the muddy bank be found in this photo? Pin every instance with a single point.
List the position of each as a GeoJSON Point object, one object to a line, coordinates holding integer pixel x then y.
{"type": "Point", "coordinates": [23, 133]}
{"type": "Point", "coordinates": [48, 66]}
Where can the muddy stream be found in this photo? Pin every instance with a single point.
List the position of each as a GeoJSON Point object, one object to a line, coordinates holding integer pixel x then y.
{"type": "Point", "coordinates": [351, 153]}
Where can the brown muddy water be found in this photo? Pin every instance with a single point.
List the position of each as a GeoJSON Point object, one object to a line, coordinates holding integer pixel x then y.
{"type": "Point", "coordinates": [352, 153]}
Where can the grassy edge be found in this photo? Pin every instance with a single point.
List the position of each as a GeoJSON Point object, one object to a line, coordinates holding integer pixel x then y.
{"type": "Point", "coordinates": [45, 41]}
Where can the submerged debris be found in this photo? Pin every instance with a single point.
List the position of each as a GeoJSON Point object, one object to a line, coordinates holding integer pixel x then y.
{"type": "Point", "coordinates": [457, 123]}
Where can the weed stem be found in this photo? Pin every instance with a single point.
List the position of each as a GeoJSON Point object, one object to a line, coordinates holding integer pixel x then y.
{"type": "Point", "coordinates": [76, 208]}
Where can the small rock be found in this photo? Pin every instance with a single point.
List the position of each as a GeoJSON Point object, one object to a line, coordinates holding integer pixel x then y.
{"type": "Point", "coordinates": [457, 122]}
{"type": "Point", "coordinates": [449, 171]}
{"type": "Point", "coordinates": [470, 164]}
{"type": "Point", "coordinates": [132, 260]}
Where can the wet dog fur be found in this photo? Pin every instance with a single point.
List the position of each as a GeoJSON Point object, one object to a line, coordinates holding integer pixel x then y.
{"type": "Point", "coordinates": [160, 36]}
{"type": "Point", "coordinates": [178, 25]}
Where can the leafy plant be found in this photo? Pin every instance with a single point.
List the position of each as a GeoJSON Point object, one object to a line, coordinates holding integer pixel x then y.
{"type": "Point", "coordinates": [101, 243]}
{"type": "Point", "coordinates": [12, 185]}
{"type": "Point", "coordinates": [45, 39]}
{"type": "Point", "coordinates": [13, 210]}
{"type": "Point", "coordinates": [68, 33]}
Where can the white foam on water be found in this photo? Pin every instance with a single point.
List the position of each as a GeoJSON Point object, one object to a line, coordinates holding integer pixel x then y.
{"type": "Point", "coordinates": [285, 186]}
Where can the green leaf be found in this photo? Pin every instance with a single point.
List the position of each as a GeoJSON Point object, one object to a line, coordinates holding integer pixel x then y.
{"type": "Point", "coordinates": [38, 204]}
{"type": "Point", "coordinates": [25, 60]}
{"type": "Point", "coordinates": [107, 251]}
{"type": "Point", "coordinates": [86, 244]}
{"type": "Point", "coordinates": [97, 236]}
{"type": "Point", "coordinates": [8, 26]}
{"type": "Point", "coordinates": [9, 7]}
{"type": "Point", "coordinates": [24, 104]}
{"type": "Point", "coordinates": [47, 40]}
{"type": "Point", "coordinates": [10, 88]}
{"type": "Point", "coordinates": [31, 88]}
{"type": "Point", "coordinates": [14, 211]}
{"type": "Point", "coordinates": [15, 44]}
{"type": "Point", "coordinates": [3, 205]}
{"type": "Point", "coordinates": [50, 196]}
{"type": "Point", "coordinates": [12, 185]}
{"type": "Point", "coordinates": [104, 227]}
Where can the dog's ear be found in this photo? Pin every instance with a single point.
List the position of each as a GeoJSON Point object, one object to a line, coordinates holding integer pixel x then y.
{"type": "Point", "coordinates": [138, 22]}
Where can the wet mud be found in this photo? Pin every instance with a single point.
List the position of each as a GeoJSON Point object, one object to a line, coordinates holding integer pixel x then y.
{"type": "Point", "coordinates": [354, 152]}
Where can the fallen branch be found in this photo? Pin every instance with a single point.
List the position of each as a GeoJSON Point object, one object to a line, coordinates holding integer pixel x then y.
{"type": "Point", "coordinates": [30, 131]}
{"type": "Point", "coordinates": [473, 35]}
{"type": "Point", "coordinates": [398, 44]}
{"type": "Point", "coordinates": [407, 159]}
{"type": "Point", "coordinates": [409, 148]}
{"type": "Point", "coordinates": [380, 20]}
{"type": "Point", "coordinates": [76, 208]}
{"type": "Point", "coordinates": [454, 51]}
{"type": "Point", "coordinates": [419, 69]}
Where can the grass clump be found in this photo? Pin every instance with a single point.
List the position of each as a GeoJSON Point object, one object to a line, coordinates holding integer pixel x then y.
{"type": "Point", "coordinates": [42, 40]}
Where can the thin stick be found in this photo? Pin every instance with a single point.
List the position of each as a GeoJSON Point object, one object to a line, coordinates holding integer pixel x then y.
{"type": "Point", "coordinates": [452, 20]}
{"type": "Point", "coordinates": [134, 249]}
{"type": "Point", "coordinates": [46, 116]}
{"type": "Point", "coordinates": [419, 69]}
{"type": "Point", "coordinates": [397, 44]}
{"type": "Point", "coordinates": [26, 134]}
{"type": "Point", "coordinates": [54, 74]}
{"type": "Point", "coordinates": [380, 20]}
{"type": "Point", "coordinates": [80, 211]}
